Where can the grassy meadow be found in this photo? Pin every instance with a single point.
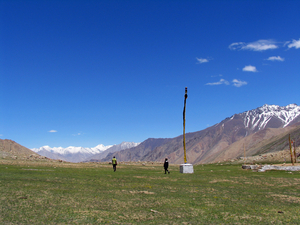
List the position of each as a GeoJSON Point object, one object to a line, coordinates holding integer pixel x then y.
{"type": "Point", "coordinates": [93, 194]}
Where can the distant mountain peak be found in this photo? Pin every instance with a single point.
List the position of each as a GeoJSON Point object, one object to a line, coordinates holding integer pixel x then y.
{"type": "Point", "coordinates": [259, 118]}
{"type": "Point", "coordinates": [277, 107]}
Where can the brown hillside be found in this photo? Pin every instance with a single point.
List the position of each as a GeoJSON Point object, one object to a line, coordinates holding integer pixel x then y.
{"type": "Point", "coordinates": [11, 149]}
{"type": "Point", "coordinates": [252, 144]}
{"type": "Point", "coordinates": [224, 141]}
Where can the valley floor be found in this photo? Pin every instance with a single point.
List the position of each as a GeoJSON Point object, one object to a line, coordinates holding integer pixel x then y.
{"type": "Point", "coordinates": [52, 192]}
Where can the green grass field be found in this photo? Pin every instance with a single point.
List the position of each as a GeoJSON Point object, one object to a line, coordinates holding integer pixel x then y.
{"type": "Point", "coordinates": [136, 194]}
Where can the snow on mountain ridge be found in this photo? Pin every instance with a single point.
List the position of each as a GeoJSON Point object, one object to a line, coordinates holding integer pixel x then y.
{"type": "Point", "coordinates": [73, 149]}
{"type": "Point", "coordinates": [125, 145]}
{"type": "Point", "coordinates": [259, 118]}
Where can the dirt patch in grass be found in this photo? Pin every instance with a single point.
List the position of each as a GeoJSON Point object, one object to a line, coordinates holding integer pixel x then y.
{"type": "Point", "coordinates": [139, 176]}
{"type": "Point", "coordinates": [142, 192]}
{"type": "Point", "coordinates": [223, 180]}
{"type": "Point", "coordinates": [288, 198]}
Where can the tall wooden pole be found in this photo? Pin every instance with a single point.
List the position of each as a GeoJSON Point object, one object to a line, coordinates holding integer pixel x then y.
{"type": "Point", "coordinates": [244, 154]}
{"type": "Point", "coordinates": [290, 145]}
{"type": "Point", "coordinates": [295, 154]}
{"type": "Point", "coordinates": [184, 147]}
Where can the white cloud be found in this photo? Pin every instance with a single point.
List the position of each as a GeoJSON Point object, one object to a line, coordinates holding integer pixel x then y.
{"type": "Point", "coordinates": [201, 60]}
{"type": "Point", "coordinates": [275, 58]}
{"type": "Point", "coordinates": [238, 83]}
{"type": "Point", "coordinates": [1, 135]}
{"type": "Point", "coordinates": [222, 81]}
{"type": "Point", "coordinates": [294, 44]}
{"type": "Point", "coordinates": [52, 131]}
{"type": "Point", "coordinates": [236, 45]}
{"type": "Point", "coordinates": [250, 68]}
{"type": "Point", "coordinates": [260, 45]}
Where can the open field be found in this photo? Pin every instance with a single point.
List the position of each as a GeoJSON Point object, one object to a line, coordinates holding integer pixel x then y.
{"type": "Point", "coordinates": [65, 193]}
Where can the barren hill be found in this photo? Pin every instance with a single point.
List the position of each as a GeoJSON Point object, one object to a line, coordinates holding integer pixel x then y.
{"type": "Point", "coordinates": [269, 140]}
{"type": "Point", "coordinates": [11, 149]}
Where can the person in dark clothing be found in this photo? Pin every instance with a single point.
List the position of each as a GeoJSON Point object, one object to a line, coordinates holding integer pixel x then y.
{"type": "Point", "coordinates": [166, 165]}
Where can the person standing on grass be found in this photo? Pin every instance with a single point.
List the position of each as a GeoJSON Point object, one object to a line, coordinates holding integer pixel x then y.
{"type": "Point", "coordinates": [166, 165]}
{"type": "Point", "coordinates": [115, 163]}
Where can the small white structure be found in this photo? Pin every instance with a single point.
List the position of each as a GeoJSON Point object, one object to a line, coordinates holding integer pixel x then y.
{"type": "Point", "coordinates": [186, 168]}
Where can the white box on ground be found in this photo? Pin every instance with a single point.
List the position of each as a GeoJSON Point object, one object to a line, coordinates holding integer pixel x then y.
{"type": "Point", "coordinates": [186, 168]}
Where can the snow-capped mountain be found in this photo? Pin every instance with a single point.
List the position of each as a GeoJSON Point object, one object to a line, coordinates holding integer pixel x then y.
{"type": "Point", "coordinates": [271, 116]}
{"type": "Point", "coordinates": [78, 154]}
{"type": "Point", "coordinates": [225, 140]}
{"type": "Point", "coordinates": [72, 149]}
{"type": "Point", "coordinates": [115, 148]}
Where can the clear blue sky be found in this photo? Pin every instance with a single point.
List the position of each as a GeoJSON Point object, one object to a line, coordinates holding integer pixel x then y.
{"type": "Point", "coordinates": [84, 73]}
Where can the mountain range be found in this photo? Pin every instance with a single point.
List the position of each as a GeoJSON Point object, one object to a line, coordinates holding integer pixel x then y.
{"type": "Point", "coordinates": [261, 130]}
{"type": "Point", "coordinates": [223, 141]}
{"type": "Point", "coordinates": [80, 154]}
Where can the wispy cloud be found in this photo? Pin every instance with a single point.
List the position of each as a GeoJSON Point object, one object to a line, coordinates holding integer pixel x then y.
{"type": "Point", "coordinates": [275, 58]}
{"type": "Point", "coordinates": [293, 44]}
{"type": "Point", "coordinates": [222, 81]}
{"type": "Point", "coordinates": [238, 83]}
{"type": "Point", "coordinates": [52, 131]}
{"type": "Point", "coordinates": [236, 45]}
{"type": "Point", "coordinates": [235, 82]}
{"type": "Point", "coordinates": [220, 75]}
{"type": "Point", "coordinates": [78, 134]}
{"type": "Point", "coordinates": [202, 60]}
{"type": "Point", "coordinates": [250, 69]}
{"type": "Point", "coordinates": [260, 45]}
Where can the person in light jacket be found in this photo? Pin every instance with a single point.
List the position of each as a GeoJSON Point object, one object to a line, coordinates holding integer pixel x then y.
{"type": "Point", "coordinates": [114, 163]}
{"type": "Point", "coordinates": [166, 165]}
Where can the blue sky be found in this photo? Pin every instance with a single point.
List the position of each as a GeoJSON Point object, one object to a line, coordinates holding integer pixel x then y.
{"type": "Point", "coordinates": [84, 73]}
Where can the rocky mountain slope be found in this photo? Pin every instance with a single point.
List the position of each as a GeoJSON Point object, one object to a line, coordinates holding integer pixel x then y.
{"type": "Point", "coordinates": [269, 140]}
{"type": "Point", "coordinates": [139, 152]}
{"type": "Point", "coordinates": [11, 149]}
{"type": "Point", "coordinates": [223, 140]}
